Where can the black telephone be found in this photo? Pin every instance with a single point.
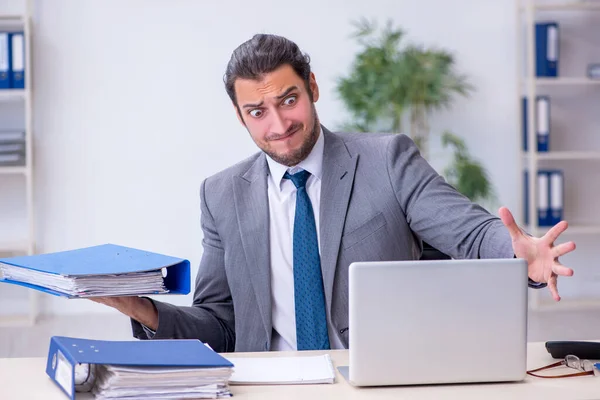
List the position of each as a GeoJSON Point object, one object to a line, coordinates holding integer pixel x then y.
{"type": "Point", "coordinates": [583, 350]}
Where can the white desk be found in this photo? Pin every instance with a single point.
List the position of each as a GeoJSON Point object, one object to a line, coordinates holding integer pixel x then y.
{"type": "Point", "coordinates": [25, 378]}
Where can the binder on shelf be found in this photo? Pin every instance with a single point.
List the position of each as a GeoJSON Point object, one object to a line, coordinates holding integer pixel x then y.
{"type": "Point", "coordinates": [549, 197]}
{"type": "Point", "coordinates": [5, 72]}
{"type": "Point", "coordinates": [543, 207]}
{"type": "Point", "coordinates": [12, 159]}
{"type": "Point", "coordinates": [542, 123]}
{"type": "Point", "coordinates": [556, 197]}
{"type": "Point", "coordinates": [172, 368]}
{"type": "Point", "coordinates": [547, 44]}
{"type": "Point", "coordinates": [524, 123]}
{"type": "Point", "coordinates": [12, 147]}
{"type": "Point", "coordinates": [17, 47]}
{"type": "Point", "coordinates": [104, 270]}
{"type": "Point", "coordinates": [12, 136]}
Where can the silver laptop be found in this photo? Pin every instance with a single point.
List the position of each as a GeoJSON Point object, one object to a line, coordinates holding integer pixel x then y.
{"type": "Point", "coordinates": [434, 322]}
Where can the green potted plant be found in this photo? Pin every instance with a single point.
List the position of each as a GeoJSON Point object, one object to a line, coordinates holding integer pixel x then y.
{"type": "Point", "coordinates": [389, 82]}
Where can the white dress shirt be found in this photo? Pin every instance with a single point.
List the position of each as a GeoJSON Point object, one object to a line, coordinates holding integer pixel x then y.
{"type": "Point", "coordinates": [282, 207]}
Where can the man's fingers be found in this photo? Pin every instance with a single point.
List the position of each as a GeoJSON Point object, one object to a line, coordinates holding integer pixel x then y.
{"type": "Point", "coordinates": [560, 269]}
{"type": "Point", "coordinates": [556, 231]}
{"type": "Point", "coordinates": [563, 249]}
{"type": "Point", "coordinates": [552, 285]}
{"type": "Point", "coordinates": [509, 221]}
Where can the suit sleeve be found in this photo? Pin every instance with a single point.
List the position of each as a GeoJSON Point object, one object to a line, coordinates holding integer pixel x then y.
{"type": "Point", "coordinates": [210, 318]}
{"type": "Point", "coordinates": [439, 214]}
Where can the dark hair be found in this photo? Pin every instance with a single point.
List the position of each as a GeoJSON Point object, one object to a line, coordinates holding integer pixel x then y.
{"type": "Point", "coordinates": [263, 54]}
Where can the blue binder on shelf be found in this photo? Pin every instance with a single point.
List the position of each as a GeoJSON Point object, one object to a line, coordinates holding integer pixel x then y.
{"type": "Point", "coordinates": [550, 197]}
{"type": "Point", "coordinates": [5, 62]}
{"type": "Point", "coordinates": [66, 354]}
{"type": "Point", "coordinates": [108, 261]}
{"type": "Point", "coordinates": [547, 44]}
{"type": "Point", "coordinates": [17, 48]}
{"type": "Point", "coordinates": [542, 123]}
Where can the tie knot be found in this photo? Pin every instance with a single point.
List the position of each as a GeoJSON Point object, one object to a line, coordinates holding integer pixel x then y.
{"type": "Point", "coordinates": [299, 178]}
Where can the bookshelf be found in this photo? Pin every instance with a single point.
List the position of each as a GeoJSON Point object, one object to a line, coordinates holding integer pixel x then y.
{"type": "Point", "coordinates": [19, 305]}
{"type": "Point", "coordinates": [566, 87]}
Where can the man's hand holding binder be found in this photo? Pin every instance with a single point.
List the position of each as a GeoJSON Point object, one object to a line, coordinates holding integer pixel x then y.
{"type": "Point", "coordinates": [540, 253]}
{"type": "Point", "coordinates": [139, 308]}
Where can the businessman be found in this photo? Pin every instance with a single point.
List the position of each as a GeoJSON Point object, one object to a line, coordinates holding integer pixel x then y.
{"type": "Point", "coordinates": [281, 227]}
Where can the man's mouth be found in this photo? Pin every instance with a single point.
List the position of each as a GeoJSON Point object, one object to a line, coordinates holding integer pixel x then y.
{"type": "Point", "coordinates": [288, 134]}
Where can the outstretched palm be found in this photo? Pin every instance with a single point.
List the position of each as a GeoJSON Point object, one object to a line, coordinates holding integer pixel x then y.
{"type": "Point", "coordinates": [540, 253]}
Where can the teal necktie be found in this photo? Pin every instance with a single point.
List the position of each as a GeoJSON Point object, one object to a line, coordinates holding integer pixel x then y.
{"type": "Point", "coordinates": [309, 296]}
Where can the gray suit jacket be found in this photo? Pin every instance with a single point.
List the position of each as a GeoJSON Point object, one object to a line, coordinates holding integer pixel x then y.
{"type": "Point", "coordinates": [379, 200]}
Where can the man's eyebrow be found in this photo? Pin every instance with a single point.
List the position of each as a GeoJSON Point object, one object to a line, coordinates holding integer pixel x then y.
{"type": "Point", "coordinates": [279, 97]}
{"type": "Point", "coordinates": [290, 89]}
{"type": "Point", "coordinates": [252, 105]}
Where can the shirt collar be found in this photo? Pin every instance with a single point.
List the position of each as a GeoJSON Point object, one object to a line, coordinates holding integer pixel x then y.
{"type": "Point", "coordinates": [313, 163]}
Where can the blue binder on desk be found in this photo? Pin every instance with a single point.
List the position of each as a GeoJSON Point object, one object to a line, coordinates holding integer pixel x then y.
{"type": "Point", "coordinates": [110, 267]}
{"type": "Point", "coordinates": [547, 45]}
{"type": "Point", "coordinates": [5, 72]}
{"type": "Point", "coordinates": [66, 354]}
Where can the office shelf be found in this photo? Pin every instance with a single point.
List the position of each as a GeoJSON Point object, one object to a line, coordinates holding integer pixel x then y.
{"type": "Point", "coordinates": [570, 81]}
{"type": "Point", "coordinates": [12, 94]}
{"type": "Point", "coordinates": [565, 304]}
{"type": "Point", "coordinates": [12, 18]}
{"type": "Point", "coordinates": [566, 155]}
{"type": "Point", "coordinates": [529, 85]}
{"type": "Point", "coordinates": [571, 230]}
{"type": "Point", "coordinates": [569, 5]}
{"type": "Point", "coordinates": [27, 303]}
{"type": "Point", "coordinates": [581, 5]}
{"type": "Point", "coordinates": [13, 170]}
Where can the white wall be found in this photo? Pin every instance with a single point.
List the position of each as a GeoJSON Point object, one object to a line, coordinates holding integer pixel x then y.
{"type": "Point", "coordinates": [131, 114]}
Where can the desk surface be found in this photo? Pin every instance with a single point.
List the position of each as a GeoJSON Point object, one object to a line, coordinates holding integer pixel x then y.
{"type": "Point", "coordinates": [25, 378]}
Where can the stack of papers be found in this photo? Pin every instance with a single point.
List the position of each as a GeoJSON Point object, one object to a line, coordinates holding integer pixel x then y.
{"type": "Point", "coordinates": [89, 285]}
{"type": "Point", "coordinates": [104, 270]}
{"type": "Point", "coordinates": [282, 370]}
{"type": "Point", "coordinates": [119, 382]}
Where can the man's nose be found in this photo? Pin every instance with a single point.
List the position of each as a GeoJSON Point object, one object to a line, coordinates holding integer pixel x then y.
{"type": "Point", "coordinates": [278, 124]}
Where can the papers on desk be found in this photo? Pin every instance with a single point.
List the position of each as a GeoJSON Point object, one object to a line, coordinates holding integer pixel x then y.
{"type": "Point", "coordinates": [105, 270]}
{"type": "Point", "coordinates": [118, 382]}
{"type": "Point", "coordinates": [282, 370]}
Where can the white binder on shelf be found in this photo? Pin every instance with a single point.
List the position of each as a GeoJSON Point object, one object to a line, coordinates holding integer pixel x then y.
{"type": "Point", "coordinates": [556, 196]}
{"type": "Point", "coordinates": [543, 208]}
{"type": "Point", "coordinates": [17, 47]}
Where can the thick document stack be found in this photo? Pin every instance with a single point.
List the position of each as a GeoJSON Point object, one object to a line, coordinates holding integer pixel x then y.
{"type": "Point", "coordinates": [105, 270]}
{"type": "Point", "coordinates": [165, 369]}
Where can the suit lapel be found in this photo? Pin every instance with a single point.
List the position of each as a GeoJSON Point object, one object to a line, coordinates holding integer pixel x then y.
{"type": "Point", "coordinates": [252, 209]}
{"type": "Point", "coordinates": [338, 177]}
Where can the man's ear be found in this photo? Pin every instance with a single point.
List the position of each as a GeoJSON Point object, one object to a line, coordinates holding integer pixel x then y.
{"type": "Point", "coordinates": [314, 88]}
{"type": "Point", "coordinates": [239, 114]}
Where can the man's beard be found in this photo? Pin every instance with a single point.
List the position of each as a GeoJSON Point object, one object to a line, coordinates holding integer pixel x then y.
{"type": "Point", "coordinates": [301, 153]}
